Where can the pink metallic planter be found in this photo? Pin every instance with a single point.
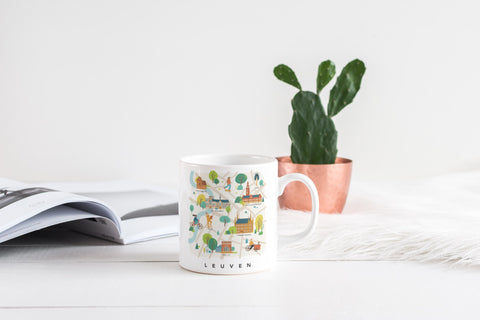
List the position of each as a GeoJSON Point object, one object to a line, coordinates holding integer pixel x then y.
{"type": "Point", "coordinates": [332, 182]}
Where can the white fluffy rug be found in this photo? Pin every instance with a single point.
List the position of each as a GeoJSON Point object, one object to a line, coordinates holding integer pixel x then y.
{"type": "Point", "coordinates": [430, 220]}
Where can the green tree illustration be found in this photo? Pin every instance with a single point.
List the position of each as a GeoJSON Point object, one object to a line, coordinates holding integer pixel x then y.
{"type": "Point", "coordinates": [225, 220]}
{"type": "Point", "coordinates": [201, 198]}
{"type": "Point", "coordinates": [206, 237]}
{"type": "Point", "coordinates": [259, 223]}
{"type": "Point", "coordinates": [239, 200]}
{"type": "Point", "coordinates": [231, 230]}
{"type": "Point", "coordinates": [240, 179]}
{"type": "Point", "coordinates": [212, 244]}
{"type": "Point", "coordinates": [213, 175]}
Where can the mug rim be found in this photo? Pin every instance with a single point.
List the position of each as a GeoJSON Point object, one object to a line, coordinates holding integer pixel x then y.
{"type": "Point", "coordinates": [220, 160]}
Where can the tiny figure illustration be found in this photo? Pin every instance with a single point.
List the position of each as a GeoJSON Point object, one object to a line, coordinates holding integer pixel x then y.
{"type": "Point", "coordinates": [209, 221]}
{"type": "Point", "coordinates": [250, 245]}
{"type": "Point", "coordinates": [228, 187]}
{"type": "Point", "coordinates": [196, 222]}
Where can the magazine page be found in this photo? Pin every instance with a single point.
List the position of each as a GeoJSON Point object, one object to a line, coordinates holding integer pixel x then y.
{"type": "Point", "coordinates": [149, 228]}
{"type": "Point", "coordinates": [57, 215]}
{"type": "Point", "coordinates": [119, 212]}
{"type": "Point", "coordinates": [19, 203]}
{"type": "Point", "coordinates": [146, 212]}
{"type": "Point", "coordinates": [128, 199]}
{"type": "Point", "coordinates": [137, 203]}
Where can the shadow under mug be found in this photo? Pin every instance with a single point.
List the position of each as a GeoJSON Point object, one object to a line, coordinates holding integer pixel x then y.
{"type": "Point", "coordinates": [228, 206]}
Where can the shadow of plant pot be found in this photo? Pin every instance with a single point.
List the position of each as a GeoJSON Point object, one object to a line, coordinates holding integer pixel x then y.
{"type": "Point", "coordinates": [332, 182]}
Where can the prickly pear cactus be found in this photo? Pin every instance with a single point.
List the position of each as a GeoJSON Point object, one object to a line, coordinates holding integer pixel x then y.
{"type": "Point", "coordinates": [346, 87]}
{"type": "Point", "coordinates": [313, 134]}
{"type": "Point", "coordinates": [287, 75]}
{"type": "Point", "coordinates": [312, 131]}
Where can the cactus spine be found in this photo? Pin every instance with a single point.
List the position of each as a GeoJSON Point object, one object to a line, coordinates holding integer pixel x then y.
{"type": "Point", "coordinates": [312, 131]}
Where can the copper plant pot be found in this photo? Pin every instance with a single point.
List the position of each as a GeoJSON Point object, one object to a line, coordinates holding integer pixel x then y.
{"type": "Point", "coordinates": [332, 182]}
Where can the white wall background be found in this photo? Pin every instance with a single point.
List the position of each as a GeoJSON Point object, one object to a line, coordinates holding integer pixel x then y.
{"type": "Point", "coordinates": [93, 90]}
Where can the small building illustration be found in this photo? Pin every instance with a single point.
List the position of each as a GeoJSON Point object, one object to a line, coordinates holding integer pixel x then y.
{"type": "Point", "coordinates": [201, 184]}
{"type": "Point", "coordinates": [251, 199]}
{"type": "Point", "coordinates": [244, 225]}
{"type": "Point", "coordinates": [225, 247]}
{"type": "Point", "coordinates": [217, 203]}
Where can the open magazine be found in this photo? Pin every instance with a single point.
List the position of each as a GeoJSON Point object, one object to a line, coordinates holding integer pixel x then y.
{"type": "Point", "coordinates": [119, 212]}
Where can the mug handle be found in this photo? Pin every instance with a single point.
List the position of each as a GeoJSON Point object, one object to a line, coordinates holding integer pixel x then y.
{"type": "Point", "coordinates": [282, 183]}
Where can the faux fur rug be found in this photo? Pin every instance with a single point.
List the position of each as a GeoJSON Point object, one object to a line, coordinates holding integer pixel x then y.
{"type": "Point", "coordinates": [430, 220]}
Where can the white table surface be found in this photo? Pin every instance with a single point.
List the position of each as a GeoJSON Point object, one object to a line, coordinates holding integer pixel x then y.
{"type": "Point", "coordinates": [65, 275]}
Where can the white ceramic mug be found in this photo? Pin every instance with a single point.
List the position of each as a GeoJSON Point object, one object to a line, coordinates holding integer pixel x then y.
{"type": "Point", "coordinates": [228, 212]}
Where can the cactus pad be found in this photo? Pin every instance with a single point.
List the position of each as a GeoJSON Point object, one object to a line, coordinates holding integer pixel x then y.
{"type": "Point", "coordinates": [285, 74]}
{"type": "Point", "coordinates": [313, 134]}
{"type": "Point", "coordinates": [326, 72]}
{"type": "Point", "coordinates": [346, 87]}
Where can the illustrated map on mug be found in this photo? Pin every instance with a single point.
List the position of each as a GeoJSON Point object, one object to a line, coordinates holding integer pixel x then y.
{"type": "Point", "coordinates": [227, 214]}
